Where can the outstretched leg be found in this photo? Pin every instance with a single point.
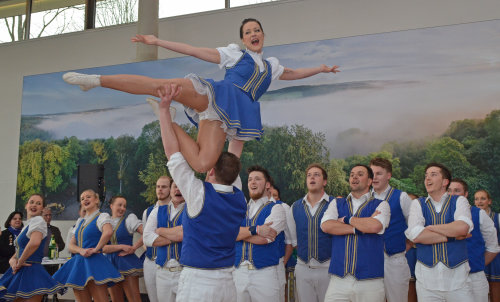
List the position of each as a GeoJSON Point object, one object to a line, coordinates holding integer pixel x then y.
{"type": "Point", "coordinates": [203, 154]}
{"type": "Point", "coordinates": [136, 84]}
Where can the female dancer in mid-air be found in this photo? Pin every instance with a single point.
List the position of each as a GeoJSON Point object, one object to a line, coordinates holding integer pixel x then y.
{"type": "Point", "coordinates": [222, 109]}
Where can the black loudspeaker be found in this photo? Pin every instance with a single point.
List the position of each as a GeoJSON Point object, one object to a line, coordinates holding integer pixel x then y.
{"type": "Point", "coordinates": [90, 177]}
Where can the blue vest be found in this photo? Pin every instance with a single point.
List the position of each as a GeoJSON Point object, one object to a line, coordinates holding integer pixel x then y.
{"type": "Point", "coordinates": [121, 234]}
{"type": "Point", "coordinates": [281, 238]}
{"type": "Point", "coordinates": [150, 250]}
{"type": "Point", "coordinates": [475, 244]}
{"type": "Point", "coordinates": [394, 236]}
{"type": "Point", "coordinates": [173, 250]}
{"type": "Point", "coordinates": [210, 237]}
{"type": "Point", "coordinates": [494, 217]}
{"type": "Point", "coordinates": [312, 242]}
{"type": "Point", "coordinates": [361, 255]}
{"type": "Point", "coordinates": [260, 255]}
{"type": "Point", "coordinates": [21, 242]}
{"type": "Point", "coordinates": [88, 236]}
{"type": "Point", "coordinates": [246, 76]}
{"type": "Point", "coordinates": [451, 254]}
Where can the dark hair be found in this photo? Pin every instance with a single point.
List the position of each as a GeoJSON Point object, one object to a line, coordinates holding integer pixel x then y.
{"type": "Point", "coordinates": [278, 190]}
{"type": "Point", "coordinates": [368, 169]}
{"type": "Point", "coordinates": [40, 195]}
{"type": "Point", "coordinates": [316, 165]}
{"type": "Point", "coordinates": [462, 182]}
{"type": "Point", "coordinates": [7, 222]}
{"type": "Point", "coordinates": [260, 169]}
{"type": "Point", "coordinates": [245, 22]}
{"type": "Point", "coordinates": [382, 162]}
{"type": "Point", "coordinates": [115, 197]}
{"type": "Point", "coordinates": [445, 172]}
{"type": "Point", "coordinates": [227, 168]}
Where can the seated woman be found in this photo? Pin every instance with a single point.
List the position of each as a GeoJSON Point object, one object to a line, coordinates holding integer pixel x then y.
{"type": "Point", "coordinates": [120, 251]}
{"type": "Point", "coordinates": [13, 226]}
{"type": "Point", "coordinates": [26, 278]}
{"type": "Point", "coordinates": [88, 272]}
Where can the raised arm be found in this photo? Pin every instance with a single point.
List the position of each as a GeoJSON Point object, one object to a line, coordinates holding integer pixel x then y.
{"type": "Point", "coordinates": [168, 136]}
{"type": "Point", "coordinates": [300, 73]}
{"type": "Point", "coordinates": [206, 54]}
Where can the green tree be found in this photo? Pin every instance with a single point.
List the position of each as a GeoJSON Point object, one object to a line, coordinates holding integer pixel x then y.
{"type": "Point", "coordinates": [124, 149]}
{"type": "Point", "coordinates": [157, 166]}
{"type": "Point", "coordinates": [337, 178]}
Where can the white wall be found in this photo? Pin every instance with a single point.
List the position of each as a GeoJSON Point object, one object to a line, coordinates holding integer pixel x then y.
{"type": "Point", "coordinates": [286, 22]}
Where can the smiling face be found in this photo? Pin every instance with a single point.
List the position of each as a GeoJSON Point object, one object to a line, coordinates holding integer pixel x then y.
{"type": "Point", "coordinates": [34, 206]}
{"type": "Point", "coordinates": [482, 201]}
{"type": "Point", "coordinates": [434, 181]}
{"type": "Point", "coordinates": [381, 178]}
{"type": "Point", "coordinates": [359, 180]}
{"type": "Point", "coordinates": [253, 36]}
{"type": "Point", "coordinates": [89, 201]}
{"type": "Point", "coordinates": [257, 185]}
{"type": "Point", "coordinates": [16, 221]}
{"type": "Point", "coordinates": [118, 207]}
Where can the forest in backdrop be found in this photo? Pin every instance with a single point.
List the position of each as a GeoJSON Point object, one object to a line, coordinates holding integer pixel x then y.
{"type": "Point", "coordinates": [469, 147]}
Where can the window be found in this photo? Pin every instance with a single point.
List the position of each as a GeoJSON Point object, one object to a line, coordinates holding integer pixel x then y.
{"type": "Point", "coordinates": [12, 18]}
{"type": "Point", "coordinates": [113, 12]}
{"type": "Point", "coordinates": [54, 17]}
{"type": "Point", "coordinates": [169, 8]}
{"type": "Point", "coordinates": [235, 3]}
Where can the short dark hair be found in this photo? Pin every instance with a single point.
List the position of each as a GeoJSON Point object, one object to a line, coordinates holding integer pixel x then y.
{"type": "Point", "coordinates": [382, 162]}
{"type": "Point", "coordinates": [462, 182]}
{"type": "Point", "coordinates": [317, 165]}
{"type": "Point", "coordinates": [227, 168]}
{"type": "Point", "coordinates": [368, 169]}
{"type": "Point", "coordinates": [245, 21]}
{"type": "Point", "coordinates": [11, 215]}
{"type": "Point", "coordinates": [115, 197]}
{"type": "Point", "coordinates": [445, 172]}
{"type": "Point", "coordinates": [260, 169]}
{"type": "Point", "coordinates": [278, 190]}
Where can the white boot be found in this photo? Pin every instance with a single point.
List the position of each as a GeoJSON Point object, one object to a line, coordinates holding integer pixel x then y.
{"type": "Point", "coordinates": [85, 81]}
{"type": "Point", "coordinates": [156, 109]}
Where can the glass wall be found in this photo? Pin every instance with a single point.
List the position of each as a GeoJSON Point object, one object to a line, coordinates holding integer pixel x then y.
{"type": "Point", "coordinates": [12, 20]}
{"type": "Point", "coordinates": [54, 17]}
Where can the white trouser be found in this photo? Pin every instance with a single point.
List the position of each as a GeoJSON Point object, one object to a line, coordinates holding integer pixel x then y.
{"type": "Point", "coordinates": [167, 280]}
{"type": "Point", "coordinates": [256, 285]}
{"type": "Point", "coordinates": [311, 283]}
{"type": "Point", "coordinates": [396, 277]}
{"type": "Point", "coordinates": [463, 294]}
{"type": "Point", "coordinates": [349, 289]}
{"type": "Point", "coordinates": [150, 279]}
{"type": "Point", "coordinates": [206, 285]}
{"type": "Point", "coordinates": [281, 279]}
{"type": "Point", "coordinates": [479, 286]}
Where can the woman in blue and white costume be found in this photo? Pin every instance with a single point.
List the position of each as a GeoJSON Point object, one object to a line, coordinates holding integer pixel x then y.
{"type": "Point", "coordinates": [224, 109]}
{"type": "Point", "coordinates": [121, 251]}
{"type": "Point", "coordinates": [88, 272]}
{"type": "Point", "coordinates": [27, 278]}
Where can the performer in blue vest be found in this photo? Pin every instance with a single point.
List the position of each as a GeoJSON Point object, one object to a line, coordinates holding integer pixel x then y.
{"type": "Point", "coordinates": [482, 246]}
{"type": "Point", "coordinates": [162, 190]}
{"type": "Point", "coordinates": [411, 258]}
{"type": "Point", "coordinates": [26, 278]}
{"type": "Point", "coordinates": [396, 269]}
{"type": "Point", "coordinates": [482, 200]}
{"type": "Point", "coordinates": [224, 109]}
{"type": "Point", "coordinates": [257, 255]}
{"type": "Point", "coordinates": [120, 251]}
{"type": "Point", "coordinates": [438, 224]}
{"type": "Point", "coordinates": [164, 232]}
{"type": "Point", "coordinates": [314, 247]}
{"type": "Point", "coordinates": [211, 221]}
{"type": "Point", "coordinates": [357, 224]}
{"type": "Point", "coordinates": [89, 272]}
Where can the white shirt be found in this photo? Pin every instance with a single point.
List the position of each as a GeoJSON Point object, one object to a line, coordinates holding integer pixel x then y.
{"type": "Point", "coordinates": [277, 215]}
{"type": "Point", "coordinates": [101, 220]}
{"type": "Point", "coordinates": [293, 228]}
{"type": "Point", "coordinates": [191, 187]}
{"type": "Point", "coordinates": [384, 217]}
{"type": "Point", "coordinates": [132, 223]}
{"type": "Point", "coordinates": [36, 223]}
{"type": "Point", "coordinates": [404, 200]}
{"type": "Point", "coordinates": [231, 54]}
{"type": "Point", "coordinates": [487, 228]}
{"type": "Point", "coordinates": [439, 277]}
{"type": "Point", "coordinates": [145, 213]}
{"type": "Point", "coordinates": [286, 207]}
{"type": "Point", "coordinates": [149, 234]}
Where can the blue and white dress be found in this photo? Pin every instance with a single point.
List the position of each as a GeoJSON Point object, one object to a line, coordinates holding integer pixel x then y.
{"type": "Point", "coordinates": [79, 270]}
{"type": "Point", "coordinates": [31, 280]}
{"type": "Point", "coordinates": [492, 270]}
{"type": "Point", "coordinates": [234, 100]}
{"type": "Point", "coordinates": [123, 233]}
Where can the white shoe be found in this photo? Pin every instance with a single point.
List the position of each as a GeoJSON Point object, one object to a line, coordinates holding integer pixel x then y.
{"type": "Point", "coordinates": [85, 81]}
{"type": "Point", "coordinates": [155, 104]}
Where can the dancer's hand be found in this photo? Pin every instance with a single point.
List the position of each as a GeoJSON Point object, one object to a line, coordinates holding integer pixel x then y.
{"type": "Point", "coordinates": [327, 69]}
{"type": "Point", "coordinates": [126, 250]}
{"type": "Point", "coordinates": [146, 39]}
{"type": "Point", "coordinates": [266, 231]}
{"type": "Point", "coordinates": [167, 94]}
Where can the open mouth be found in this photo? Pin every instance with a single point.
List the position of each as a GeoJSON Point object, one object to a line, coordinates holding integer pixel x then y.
{"type": "Point", "coordinates": [255, 42]}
